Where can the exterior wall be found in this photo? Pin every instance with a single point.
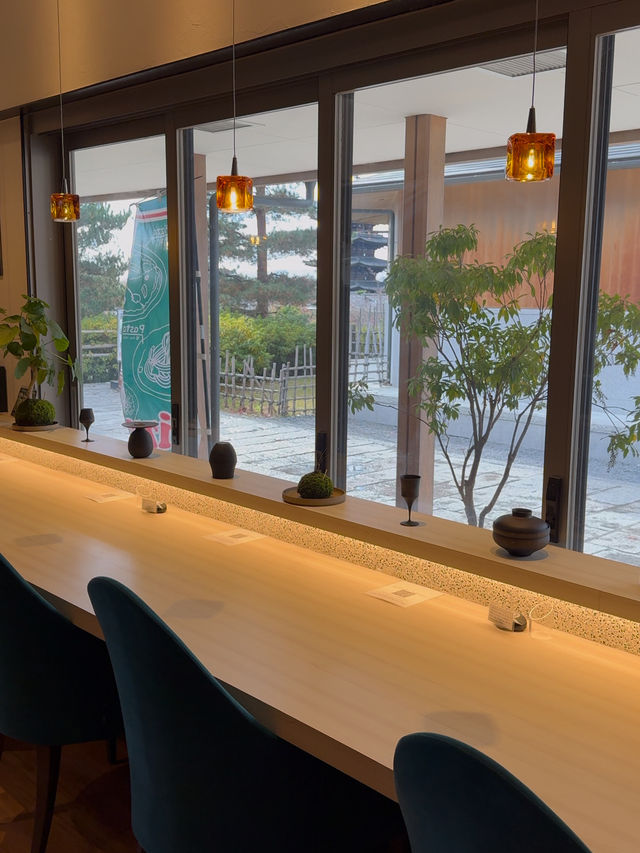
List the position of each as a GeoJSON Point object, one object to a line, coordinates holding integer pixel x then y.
{"type": "Point", "coordinates": [505, 212]}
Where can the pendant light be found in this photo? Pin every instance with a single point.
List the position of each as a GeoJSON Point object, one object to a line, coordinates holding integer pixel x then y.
{"type": "Point", "coordinates": [65, 206]}
{"type": "Point", "coordinates": [530, 155]}
{"type": "Point", "coordinates": [234, 192]}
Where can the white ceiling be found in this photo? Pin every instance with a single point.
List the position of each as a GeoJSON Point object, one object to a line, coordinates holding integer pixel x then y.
{"type": "Point", "coordinates": [482, 109]}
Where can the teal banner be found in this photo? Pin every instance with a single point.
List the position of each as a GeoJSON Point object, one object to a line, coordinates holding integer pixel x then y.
{"type": "Point", "coordinates": [146, 366]}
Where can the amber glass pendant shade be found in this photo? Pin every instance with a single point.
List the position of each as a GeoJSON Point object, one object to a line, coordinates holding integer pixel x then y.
{"type": "Point", "coordinates": [530, 155]}
{"type": "Point", "coordinates": [234, 192]}
{"type": "Point", "coordinates": [65, 207]}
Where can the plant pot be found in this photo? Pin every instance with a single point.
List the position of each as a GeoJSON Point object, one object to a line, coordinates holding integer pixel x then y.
{"type": "Point", "coordinates": [222, 460]}
{"type": "Point", "coordinates": [520, 533]}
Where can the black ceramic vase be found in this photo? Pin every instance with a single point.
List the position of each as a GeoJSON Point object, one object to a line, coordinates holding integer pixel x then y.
{"type": "Point", "coordinates": [140, 443]}
{"type": "Point", "coordinates": [520, 533]}
{"type": "Point", "coordinates": [222, 460]}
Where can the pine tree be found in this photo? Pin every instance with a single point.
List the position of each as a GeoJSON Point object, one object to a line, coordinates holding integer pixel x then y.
{"type": "Point", "coordinates": [100, 268]}
{"type": "Point", "coordinates": [263, 293]}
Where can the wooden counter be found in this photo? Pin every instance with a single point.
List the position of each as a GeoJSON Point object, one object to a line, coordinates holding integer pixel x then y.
{"type": "Point", "coordinates": [337, 671]}
{"type": "Point", "coordinates": [582, 579]}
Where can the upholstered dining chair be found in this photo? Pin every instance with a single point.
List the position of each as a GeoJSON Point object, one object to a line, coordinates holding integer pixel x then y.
{"type": "Point", "coordinates": [56, 687]}
{"type": "Point", "coordinates": [205, 775]}
{"type": "Point", "coordinates": [455, 798]}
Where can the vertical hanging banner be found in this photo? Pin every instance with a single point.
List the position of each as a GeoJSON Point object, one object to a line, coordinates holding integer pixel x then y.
{"type": "Point", "coordinates": [146, 366]}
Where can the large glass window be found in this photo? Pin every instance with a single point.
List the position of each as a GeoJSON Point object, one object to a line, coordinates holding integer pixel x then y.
{"type": "Point", "coordinates": [249, 292]}
{"type": "Point", "coordinates": [449, 294]}
{"type": "Point", "coordinates": [612, 507]}
{"type": "Point", "coordinates": [123, 286]}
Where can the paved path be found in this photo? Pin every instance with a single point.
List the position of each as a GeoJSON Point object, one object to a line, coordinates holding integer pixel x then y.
{"type": "Point", "coordinates": [284, 447]}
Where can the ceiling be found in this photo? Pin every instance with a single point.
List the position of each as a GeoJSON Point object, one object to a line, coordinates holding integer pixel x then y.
{"type": "Point", "coordinates": [482, 109]}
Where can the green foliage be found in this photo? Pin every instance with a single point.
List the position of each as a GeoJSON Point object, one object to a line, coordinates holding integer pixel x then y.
{"type": "Point", "coordinates": [240, 337]}
{"type": "Point", "coordinates": [24, 336]}
{"type": "Point", "coordinates": [99, 269]}
{"type": "Point", "coordinates": [267, 339]}
{"type": "Point", "coordinates": [35, 413]}
{"type": "Point", "coordinates": [359, 396]}
{"type": "Point", "coordinates": [281, 332]}
{"type": "Point", "coordinates": [618, 343]}
{"type": "Point", "coordinates": [480, 352]}
{"type": "Point", "coordinates": [315, 485]}
{"type": "Point", "coordinates": [106, 321]}
{"type": "Point", "coordinates": [100, 356]}
{"type": "Point", "coordinates": [483, 354]}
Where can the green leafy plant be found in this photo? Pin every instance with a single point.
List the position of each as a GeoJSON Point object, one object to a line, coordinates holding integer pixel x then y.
{"type": "Point", "coordinates": [38, 343]}
{"type": "Point", "coordinates": [483, 354]}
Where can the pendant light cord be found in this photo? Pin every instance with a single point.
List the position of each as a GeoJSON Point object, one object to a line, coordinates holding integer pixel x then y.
{"type": "Point", "coordinates": [535, 50]}
{"type": "Point", "coordinates": [233, 68]}
{"type": "Point", "coordinates": [64, 168]}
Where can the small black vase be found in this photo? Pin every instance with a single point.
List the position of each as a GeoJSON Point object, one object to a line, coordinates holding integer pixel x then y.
{"type": "Point", "coordinates": [222, 460]}
{"type": "Point", "coordinates": [140, 443]}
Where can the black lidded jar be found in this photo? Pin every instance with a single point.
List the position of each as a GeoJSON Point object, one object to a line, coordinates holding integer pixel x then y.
{"type": "Point", "coordinates": [520, 533]}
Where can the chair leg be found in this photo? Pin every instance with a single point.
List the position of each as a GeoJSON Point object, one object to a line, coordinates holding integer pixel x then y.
{"type": "Point", "coordinates": [48, 758]}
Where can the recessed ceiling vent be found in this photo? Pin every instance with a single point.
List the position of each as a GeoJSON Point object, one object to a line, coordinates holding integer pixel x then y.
{"type": "Point", "coordinates": [225, 124]}
{"type": "Point", "coordinates": [520, 66]}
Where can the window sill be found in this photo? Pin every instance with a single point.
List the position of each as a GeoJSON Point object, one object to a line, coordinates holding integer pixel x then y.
{"type": "Point", "coordinates": [582, 579]}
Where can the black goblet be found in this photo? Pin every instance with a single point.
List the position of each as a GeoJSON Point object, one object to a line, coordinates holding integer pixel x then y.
{"type": "Point", "coordinates": [409, 488]}
{"type": "Point", "coordinates": [86, 419]}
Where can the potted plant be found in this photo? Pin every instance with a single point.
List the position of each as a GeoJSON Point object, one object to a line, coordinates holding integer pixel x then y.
{"type": "Point", "coordinates": [41, 348]}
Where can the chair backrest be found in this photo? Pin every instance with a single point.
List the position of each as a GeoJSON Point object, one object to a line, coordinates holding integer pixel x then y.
{"type": "Point", "coordinates": [455, 798]}
{"type": "Point", "coordinates": [196, 756]}
{"type": "Point", "coordinates": [56, 681]}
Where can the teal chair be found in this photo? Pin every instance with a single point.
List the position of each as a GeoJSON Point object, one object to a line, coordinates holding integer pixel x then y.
{"type": "Point", "coordinates": [56, 687]}
{"type": "Point", "coordinates": [205, 775]}
{"type": "Point", "coordinates": [455, 799]}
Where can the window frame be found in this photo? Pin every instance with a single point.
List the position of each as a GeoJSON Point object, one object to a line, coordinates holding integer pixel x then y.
{"type": "Point", "coordinates": [410, 44]}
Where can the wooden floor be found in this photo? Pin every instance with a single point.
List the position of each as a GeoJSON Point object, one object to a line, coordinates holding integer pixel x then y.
{"type": "Point", "coordinates": [92, 807]}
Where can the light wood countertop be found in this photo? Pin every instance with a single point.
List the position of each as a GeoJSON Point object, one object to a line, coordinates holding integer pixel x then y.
{"type": "Point", "coordinates": [593, 582]}
{"type": "Point", "coordinates": [337, 671]}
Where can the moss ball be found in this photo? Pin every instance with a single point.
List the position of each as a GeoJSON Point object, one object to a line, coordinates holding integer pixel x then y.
{"type": "Point", "coordinates": [35, 413]}
{"type": "Point", "coordinates": [315, 485]}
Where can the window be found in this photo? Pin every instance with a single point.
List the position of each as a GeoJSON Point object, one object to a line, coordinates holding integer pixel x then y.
{"type": "Point", "coordinates": [611, 515]}
{"type": "Point", "coordinates": [358, 162]}
{"type": "Point", "coordinates": [249, 292]}
{"type": "Point", "coordinates": [123, 286]}
{"type": "Point", "coordinates": [447, 357]}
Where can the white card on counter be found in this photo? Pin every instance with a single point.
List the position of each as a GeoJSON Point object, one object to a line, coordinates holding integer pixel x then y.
{"type": "Point", "coordinates": [404, 594]}
{"type": "Point", "coordinates": [238, 536]}
{"type": "Point", "coordinates": [105, 497]}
